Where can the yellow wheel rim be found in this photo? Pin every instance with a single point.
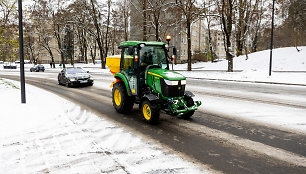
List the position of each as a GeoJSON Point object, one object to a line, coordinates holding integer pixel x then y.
{"type": "Point", "coordinates": [117, 97]}
{"type": "Point", "coordinates": [146, 111]}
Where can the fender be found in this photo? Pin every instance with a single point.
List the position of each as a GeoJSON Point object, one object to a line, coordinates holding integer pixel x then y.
{"type": "Point", "coordinates": [122, 76]}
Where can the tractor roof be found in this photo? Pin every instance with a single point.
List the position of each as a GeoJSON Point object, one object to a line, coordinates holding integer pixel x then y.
{"type": "Point", "coordinates": [134, 43]}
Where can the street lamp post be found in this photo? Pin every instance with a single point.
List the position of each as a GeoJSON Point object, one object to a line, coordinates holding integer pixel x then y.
{"type": "Point", "coordinates": [22, 80]}
{"type": "Point", "coordinates": [271, 46]}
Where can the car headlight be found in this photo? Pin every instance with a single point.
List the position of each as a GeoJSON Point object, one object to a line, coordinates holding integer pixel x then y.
{"type": "Point", "coordinates": [183, 82]}
{"type": "Point", "coordinates": [73, 79]}
{"type": "Point", "coordinates": [171, 82]}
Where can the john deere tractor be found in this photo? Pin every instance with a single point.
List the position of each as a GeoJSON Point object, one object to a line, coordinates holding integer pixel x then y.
{"type": "Point", "coordinates": [143, 77]}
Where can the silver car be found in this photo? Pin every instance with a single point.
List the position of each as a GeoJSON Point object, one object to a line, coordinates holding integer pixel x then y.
{"type": "Point", "coordinates": [74, 76]}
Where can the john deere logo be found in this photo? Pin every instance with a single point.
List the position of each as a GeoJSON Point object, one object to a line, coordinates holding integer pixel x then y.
{"type": "Point", "coordinates": [179, 88]}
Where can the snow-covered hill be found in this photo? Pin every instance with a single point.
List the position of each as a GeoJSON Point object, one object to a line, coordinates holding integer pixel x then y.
{"type": "Point", "coordinates": [284, 59]}
{"type": "Point", "coordinates": [288, 67]}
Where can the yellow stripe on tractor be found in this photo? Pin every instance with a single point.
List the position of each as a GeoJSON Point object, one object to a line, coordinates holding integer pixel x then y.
{"type": "Point", "coordinates": [155, 74]}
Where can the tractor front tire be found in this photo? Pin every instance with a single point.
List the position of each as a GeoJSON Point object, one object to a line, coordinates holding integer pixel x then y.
{"type": "Point", "coordinates": [189, 103]}
{"type": "Point", "coordinates": [121, 101]}
{"type": "Point", "coordinates": [150, 112]}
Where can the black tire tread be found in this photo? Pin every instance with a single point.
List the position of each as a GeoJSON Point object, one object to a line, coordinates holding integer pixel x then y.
{"type": "Point", "coordinates": [155, 112]}
{"type": "Point", "coordinates": [127, 102]}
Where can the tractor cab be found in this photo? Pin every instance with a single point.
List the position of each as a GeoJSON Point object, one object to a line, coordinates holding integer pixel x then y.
{"type": "Point", "coordinates": [143, 77]}
{"type": "Point", "coordinates": [137, 58]}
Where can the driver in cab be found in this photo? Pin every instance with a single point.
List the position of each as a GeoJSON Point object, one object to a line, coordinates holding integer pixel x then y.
{"type": "Point", "coordinates": [146, 59]}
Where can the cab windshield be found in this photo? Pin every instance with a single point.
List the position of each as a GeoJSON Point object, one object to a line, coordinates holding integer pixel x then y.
{"type": "Point", "coordinates": [154, 55]}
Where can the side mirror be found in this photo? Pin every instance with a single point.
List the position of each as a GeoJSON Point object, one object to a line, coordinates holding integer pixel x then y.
{"type": "Point", "coordinates": [174, 51]}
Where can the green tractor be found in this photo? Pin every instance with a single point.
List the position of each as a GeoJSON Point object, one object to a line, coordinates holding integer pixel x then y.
{"type": "Point", "coordinates": [143, 77]}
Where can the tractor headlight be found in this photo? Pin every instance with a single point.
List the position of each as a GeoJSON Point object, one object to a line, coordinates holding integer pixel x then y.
{"type": "Point", "coordinates": [171, 82]}
{"type": "Point", "coordinates": [183, 82]}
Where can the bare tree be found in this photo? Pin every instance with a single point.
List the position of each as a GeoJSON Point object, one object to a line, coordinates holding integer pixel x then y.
{"type": "Point", "coordinates": [256, 25]}
{"type": "Point", "coordinates": [210, 16]}
{"type": "Point", "coordinates": [95, 15]}
{"type": "Point", "coordinates": [43, 33]}
{"type": "Point", "coordinates": [155, 9]}
{"type": "Point", "coordinates": [226, 11]}
{"type": "Point", "coordinates": [109, 3]}
{"type": "Point", "coordinates": [190, 13]}
{"type": "Point", "coordinates": [125, 16]}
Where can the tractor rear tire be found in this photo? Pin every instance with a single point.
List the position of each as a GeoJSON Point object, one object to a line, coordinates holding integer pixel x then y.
{"type": "Point", "coordinates": [150, 112]}
{"type": "Point", "coordinates": [189, 103]}
{"type": "Point", "coordinates": [122, 102]}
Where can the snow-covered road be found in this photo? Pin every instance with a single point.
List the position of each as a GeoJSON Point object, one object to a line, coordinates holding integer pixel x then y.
{"type": "Point", "coordinates": [280, 106]}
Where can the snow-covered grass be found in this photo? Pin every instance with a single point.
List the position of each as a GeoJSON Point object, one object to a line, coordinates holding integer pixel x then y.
{"type": "Point", "coordinates": [59, 136]}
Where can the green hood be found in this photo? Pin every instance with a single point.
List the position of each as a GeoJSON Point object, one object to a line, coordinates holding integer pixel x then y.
{"type": "Point", "coordinates": [166, 74]}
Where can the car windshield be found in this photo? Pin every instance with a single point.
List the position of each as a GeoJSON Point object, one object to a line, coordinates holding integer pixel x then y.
{"type": "Point", "coordinates": [153, 55]}
{"type": "Point", "coordinates": [75, 70]}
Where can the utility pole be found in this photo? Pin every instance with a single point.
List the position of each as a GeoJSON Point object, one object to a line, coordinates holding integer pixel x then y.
{"type": "Point", "coordinates": [22, 81]}
{"type": "Point", "coordinates": [271, 46]}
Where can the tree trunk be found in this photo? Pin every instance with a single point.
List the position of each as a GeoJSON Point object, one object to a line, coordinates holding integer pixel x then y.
{"type": "Point", "coordinates": [188, 25]}
{"type": "Point", "coordinates": [254, 42]}
{"type": "Point", "coordinates": [210, 49]}
{"type": "Point", "coordinates": [52, 58]}
{"type": "Point", "coordinates": [98, 35]}
{"type": "Point", "coordinates": [239, 28]}
{"type": "Point", "coordinates": [144, 14]}
{"type": "Point", "coordinates": [107, 29]}
{"type": "Point", "coordinates": [227, 22]}
{"type": "Point", "coordinates": [60, 47]}
{"type": "Point", "coordinates": [156, 29]}
{"type": "Point", "coordinates": [246, 52]}
{"type": "Point", "coordinates": [125, 16]}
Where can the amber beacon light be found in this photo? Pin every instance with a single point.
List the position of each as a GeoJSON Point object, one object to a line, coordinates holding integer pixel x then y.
{"type": "Point", "coordinates": [168, 38]}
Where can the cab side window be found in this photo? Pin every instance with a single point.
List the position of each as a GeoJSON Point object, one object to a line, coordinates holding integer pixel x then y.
{"type": "Point", "coordinates": [128, 61]}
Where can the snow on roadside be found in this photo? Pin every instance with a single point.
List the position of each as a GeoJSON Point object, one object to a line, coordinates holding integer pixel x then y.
{"type": "Point", "coordinates": [289, 66]}
{"type": "Point", "coordinates": [279, 117]}
{"type": "Point", "coordinates": [283, 59]}
{"type": "Point", "coordinates": [51, 134]}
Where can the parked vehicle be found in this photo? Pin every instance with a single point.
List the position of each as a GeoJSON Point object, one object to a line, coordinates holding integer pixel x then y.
{"type": "Point", "coordinates": [143, 77]}
{"type": "Point", "coordinates": [74, 76]}
{"type": "Point", "coordinates": [9, 65]}
{"type": "Point", "coordinates": [97, 61]}
{"type": "Point", "coordinates": [27, 61]}
{"type": "Point", "coordinates": [37, 68]}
